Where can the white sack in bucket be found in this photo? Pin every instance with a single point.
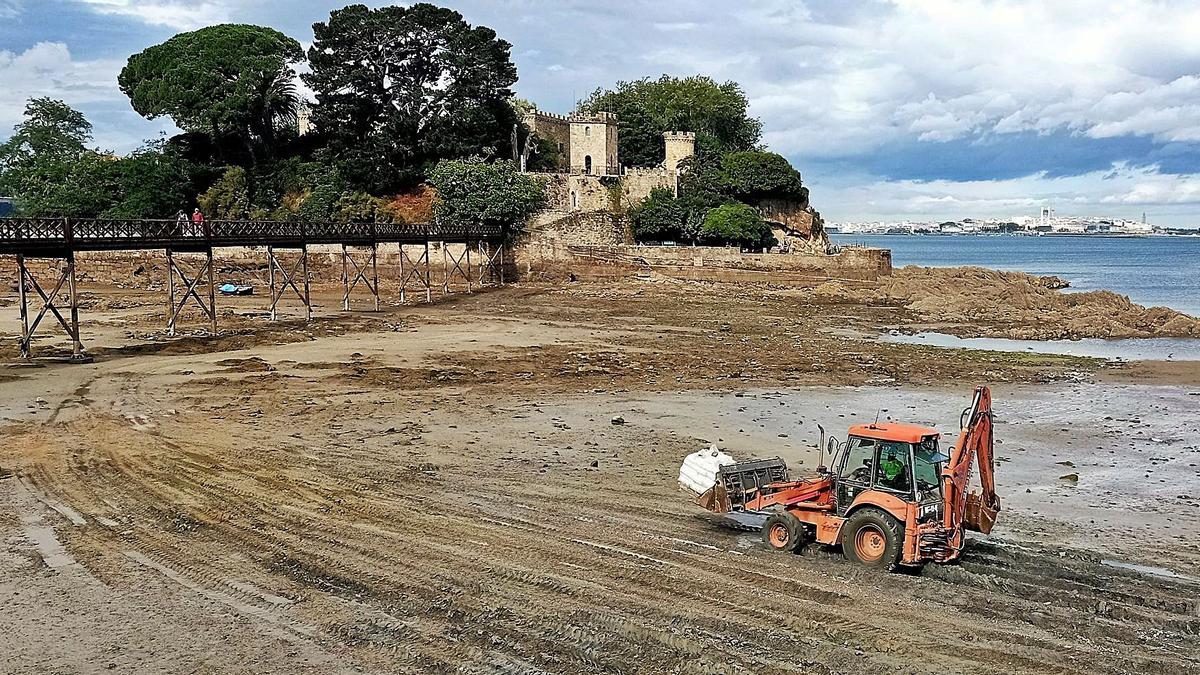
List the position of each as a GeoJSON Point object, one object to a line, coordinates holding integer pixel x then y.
{"type": "Point", "coordinates": [699, 470]}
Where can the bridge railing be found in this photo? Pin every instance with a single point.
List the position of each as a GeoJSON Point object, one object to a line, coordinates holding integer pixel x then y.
{"type": "Point", "coordinates": [17, 234]}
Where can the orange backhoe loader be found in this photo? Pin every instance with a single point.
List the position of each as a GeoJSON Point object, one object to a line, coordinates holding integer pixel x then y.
{"type": "Point", "coordinates": [890, 497]}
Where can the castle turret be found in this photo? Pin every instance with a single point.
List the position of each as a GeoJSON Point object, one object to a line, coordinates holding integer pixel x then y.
{"type": "Point", "coordinates": [680, 146]}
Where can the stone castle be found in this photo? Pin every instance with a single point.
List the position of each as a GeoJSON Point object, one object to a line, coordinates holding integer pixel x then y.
{"type": "Point", "coordinates": [590, 190]}
{"type": "Point", "coordinates": [588, 144]}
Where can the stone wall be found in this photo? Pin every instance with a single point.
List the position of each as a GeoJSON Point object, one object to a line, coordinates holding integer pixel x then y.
{"type": "Point", "coordinates": [637, 184]}
{"type": "Point", "coordinates": [553, 128]}
{"type": "Point", "coordinates": [849, 263]}
{"type": "Point", "coordinates": [553, 240]}
{"type": "Point", "coordinates": [567, 194]}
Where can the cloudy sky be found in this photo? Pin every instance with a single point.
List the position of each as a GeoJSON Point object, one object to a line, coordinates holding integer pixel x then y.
{"type": "Point", "coordinates": [891, 109]}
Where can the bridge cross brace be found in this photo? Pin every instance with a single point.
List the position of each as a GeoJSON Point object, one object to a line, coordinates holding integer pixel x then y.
{"type": "Point", "coordinates": [26, 282]}
{"type": "Point", "coordinates": [288, 276]}
{"type": "Point", "coordinates": [360, 274]}
{"type": "Point", "coordinates": [412, 270]}
{"type": "Point", "coordinates": [491, 262]}
{"type": "Point", "coordinates": [455, 265]}
{"type": "Point", "coordinates": [205, 273]}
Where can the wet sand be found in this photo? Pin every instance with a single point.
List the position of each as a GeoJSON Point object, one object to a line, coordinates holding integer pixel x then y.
{"type": "Point", "coordinates": [443, 488]}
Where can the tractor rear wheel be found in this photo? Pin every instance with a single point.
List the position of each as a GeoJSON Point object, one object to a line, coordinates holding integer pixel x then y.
{"type": "Point", "coordinates": [782, 532]}
{"type": "Point", "coordinates": [873, 538]}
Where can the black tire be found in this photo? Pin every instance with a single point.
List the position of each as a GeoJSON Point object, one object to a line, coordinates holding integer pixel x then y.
{"type": "Point", "coordinates": [782, 532]}
{"type": "Point", "coordinates": [873, 538]}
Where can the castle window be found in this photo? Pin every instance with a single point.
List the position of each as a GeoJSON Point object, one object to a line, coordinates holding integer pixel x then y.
{"type": "Point", "coordinates": [587, 164]}
{"type": "Point", "coordinates": [587, 131]}
{"type": "Point", "coordinates": [574, 199]}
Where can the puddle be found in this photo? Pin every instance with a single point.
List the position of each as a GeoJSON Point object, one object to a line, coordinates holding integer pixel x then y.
{"type": "Point", "coordinates": [46, 542]}
{"type": "Point", "coordinates": [1148, 569]}
{"type": "Point", "coordinates": [1130, 349]}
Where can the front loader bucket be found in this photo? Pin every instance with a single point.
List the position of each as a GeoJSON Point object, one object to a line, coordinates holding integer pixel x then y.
{"type": "Point", "coordinates": [980, 517]}
{"type": "Point", "coordinates": [742, 480]}
{"type": "Point", "coordinates": [715, 500]}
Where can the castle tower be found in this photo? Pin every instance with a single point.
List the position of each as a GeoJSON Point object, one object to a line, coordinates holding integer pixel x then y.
{"type": "Point", "coordinates": [594, 145]}
{"type": "Point", "coordinates": [680, 146]}
{"type": "Point", "coordinates": [304, 124]}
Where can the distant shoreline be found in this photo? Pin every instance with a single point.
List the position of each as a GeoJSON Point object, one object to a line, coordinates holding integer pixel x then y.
{"type": "Point", "coordinates": [1079, 235]}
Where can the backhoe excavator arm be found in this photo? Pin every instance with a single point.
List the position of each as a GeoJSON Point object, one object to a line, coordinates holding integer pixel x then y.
{"type": "Point", "coordinates": [974, 511]}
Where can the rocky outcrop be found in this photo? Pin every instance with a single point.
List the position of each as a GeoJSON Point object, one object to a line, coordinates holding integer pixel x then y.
{"type": "Point", "coordinates": [798, 227]}
{"type": "Point", "coordinates": [978, 302]}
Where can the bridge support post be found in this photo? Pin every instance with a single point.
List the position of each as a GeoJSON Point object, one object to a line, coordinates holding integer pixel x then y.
{"type": "Point", "coordinates": [26, 336]}
{"type": "Point", "coordinates": [360, 274]}
{"type": "Point", "coordinates": [307, 296]}
{"type": "Point", "coordinates": [346, 279]}
{"type": "Point", "coordinates": [271, 277]}
{"type": "Point", "coordinates": [445, 270]}
{"type": "Point", "coordinates": [428, 275]}
{"type": "Point", "coordinates": [190, 286]}
{"type": "Point", "coordinates": [76, 343]}
{"type": "Point", "coordinates": [375, 272]}
{"type": "Point", "coordinates": [287, 279]}
{"type": "Point", "coordinates": [467, 269]}
{"type": "Point", "coordinates": [27, 281]}
{"type": "Point", "coordinates": [212, 292]}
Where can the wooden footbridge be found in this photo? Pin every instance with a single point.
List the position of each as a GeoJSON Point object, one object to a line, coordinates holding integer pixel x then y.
{"type": "Point", "coordinates": [287, 251]}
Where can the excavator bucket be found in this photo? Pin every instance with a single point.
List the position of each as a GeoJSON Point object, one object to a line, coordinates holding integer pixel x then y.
{"type": "Point", "coordinates": [979, 517]}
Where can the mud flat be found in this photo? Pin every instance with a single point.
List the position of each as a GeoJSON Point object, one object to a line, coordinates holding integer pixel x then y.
{"type": "Point", "coordinates": [431, 489]}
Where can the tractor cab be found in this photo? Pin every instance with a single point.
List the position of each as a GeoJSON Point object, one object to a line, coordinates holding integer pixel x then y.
{"type": "Point", "coordinates": [902, 460]}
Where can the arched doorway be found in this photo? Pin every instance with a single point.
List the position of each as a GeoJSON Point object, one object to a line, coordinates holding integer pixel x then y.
{"type": "Point", "coordinates": [587, 164]}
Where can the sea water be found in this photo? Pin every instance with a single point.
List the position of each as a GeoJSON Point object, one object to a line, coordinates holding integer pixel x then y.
{"type": "Point", "coordinates": [1152, 271]}
{"type": "Point", "coordinates": [1127, 349]}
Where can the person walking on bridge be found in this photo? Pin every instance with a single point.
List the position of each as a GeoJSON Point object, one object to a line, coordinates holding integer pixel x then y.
{"type": "Point", "coordinates": [197, 223]}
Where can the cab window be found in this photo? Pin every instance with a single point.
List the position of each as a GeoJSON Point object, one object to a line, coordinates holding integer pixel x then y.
{"type": "Point", "coordinates": [927, 463]}
{"type": "Point", "coordinates": [895, 472]}
{"type": "Point", "coordinates": [860, 458]}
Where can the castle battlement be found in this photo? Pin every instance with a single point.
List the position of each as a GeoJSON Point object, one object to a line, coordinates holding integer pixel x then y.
{"type": "Point", "coordinates": [679, 135]}
{"type": "Point", "coordinates": [539, 115]}
{"type": "Point", "coordinates": [598, 118]}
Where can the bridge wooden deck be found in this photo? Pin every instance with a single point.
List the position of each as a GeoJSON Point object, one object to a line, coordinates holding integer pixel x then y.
{"type": "Point", "coordinates": [62, 238]}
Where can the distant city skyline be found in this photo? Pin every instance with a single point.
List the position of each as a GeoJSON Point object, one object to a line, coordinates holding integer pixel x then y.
{"type": "Point", "coordinates": [890, 109]}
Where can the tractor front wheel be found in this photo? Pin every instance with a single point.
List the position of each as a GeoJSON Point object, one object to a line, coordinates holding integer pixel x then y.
{"type": "Point", "coordinates": [873, 538]}
{"type": "Point", "coordinates": [782, 532]}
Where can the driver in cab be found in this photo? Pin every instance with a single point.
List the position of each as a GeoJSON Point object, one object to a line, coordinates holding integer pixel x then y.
{"type": "Point", "coordinates": [893, 472]}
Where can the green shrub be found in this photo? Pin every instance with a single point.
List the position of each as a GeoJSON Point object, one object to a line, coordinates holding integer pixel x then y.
{"type": "Point", "coordinates": [754, 175]}
{"type": "Point", "coordinates": [473, 193]}
{"type": "Point", "coordinates": [736, 225]}
{"type": "Point", "coordinates": [229, 198]}
{"type": "Point", "coordinates": [660, 217]}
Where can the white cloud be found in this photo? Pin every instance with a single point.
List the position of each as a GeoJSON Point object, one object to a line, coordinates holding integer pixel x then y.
{"type": "Point", "coordinates": [843, 80]}
{"type": "Point", "coordinates": [10, 9]}
{"type": "Point", "coordinates": [48, 69]}
{"type": "Point", "coordinates": [177, 14]}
